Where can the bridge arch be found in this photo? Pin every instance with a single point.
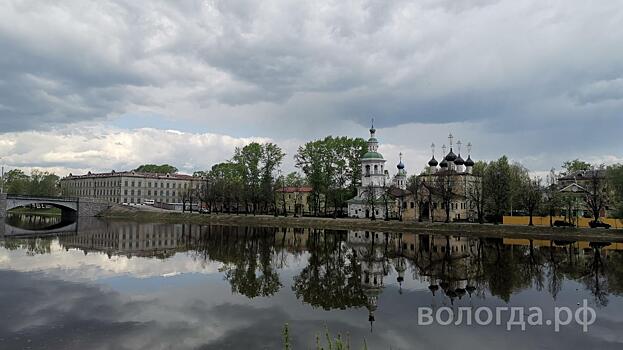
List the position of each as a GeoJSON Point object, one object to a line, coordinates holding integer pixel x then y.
{"type": "Point", "coordinates": [68, 206]}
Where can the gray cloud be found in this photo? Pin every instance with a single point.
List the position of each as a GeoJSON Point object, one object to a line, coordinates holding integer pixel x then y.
{"type": "Point", "coordinates": [550, 70]}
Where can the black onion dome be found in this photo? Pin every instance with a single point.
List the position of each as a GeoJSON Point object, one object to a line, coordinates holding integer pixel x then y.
{"type": "Point", "coordinates": [400, 165]}
{"type": "Point", "coordinates": [469, 161]}
{"type": "Point", "coordinates": [444, 163]}
{"type": "Point", "coordinates": [451, 156]}
{"type": "Point", "coordinates": [433, 162]}
{"type": "Point", "coordinates": [459, 160]}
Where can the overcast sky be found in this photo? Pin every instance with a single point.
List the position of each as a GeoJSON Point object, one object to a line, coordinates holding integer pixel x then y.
{"type": "Point", "coordinates": [101, 85]}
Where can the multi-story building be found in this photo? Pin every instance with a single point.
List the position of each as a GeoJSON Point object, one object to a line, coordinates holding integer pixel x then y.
{"type": "Point", "coordinates": [130, 187]}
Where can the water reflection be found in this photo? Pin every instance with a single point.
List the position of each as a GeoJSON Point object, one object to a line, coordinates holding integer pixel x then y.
{"type": "Point", "coordinates": [348, 268]}
{"type": "Point", "coordinates": [342, 270]}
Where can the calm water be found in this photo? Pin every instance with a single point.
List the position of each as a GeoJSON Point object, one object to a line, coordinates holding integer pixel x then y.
{"type": "Point", "coordinates": [124, 285]}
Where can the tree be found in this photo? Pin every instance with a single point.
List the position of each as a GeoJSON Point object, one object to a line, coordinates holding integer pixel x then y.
{"type": "Point", "coordinates": [596, 195]}
{"type": "Point", "coordinates": [271, 159]}
{"type": "Point", "coordinates": [519, 176]}
{"type": "Point", "coordinates": [551, 195]}
{"type": "Point", "coordinates": [476, 192]}
{"type": "Point", "coordinates": [444, 189]}
{"type": "Point", "coordinates": [16, 182]}
{"type": "Point", "coordinates": [333, 169]}
{"type": "Point", "coordinates": [369, 195]}
{"type": "Point", "coordinates": [531, 196]}
{"type": "Point", "coordinates": [257, 164]}
{"type": "Point", "coordinates": [496, 183]}
{"type": "Point", "coordinates": [158, 169]}
{"type": "Point", "coordinates": [575, 165]}
{"type": "Point", "coordinates": [39, 183]}
{"type": "Point", "coordinates": [614, 176]}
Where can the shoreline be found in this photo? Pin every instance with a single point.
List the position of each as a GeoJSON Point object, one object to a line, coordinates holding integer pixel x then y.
{"type": "Point", "coordinates": [463, 229]}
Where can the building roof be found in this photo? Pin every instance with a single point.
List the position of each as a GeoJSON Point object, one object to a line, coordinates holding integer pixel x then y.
{"type": "Point", "coordinates": [113, 173]}
{"type": "Point", "coordinates": [292, 189]}
{"type": "Point", "coordinates": [372, 155]}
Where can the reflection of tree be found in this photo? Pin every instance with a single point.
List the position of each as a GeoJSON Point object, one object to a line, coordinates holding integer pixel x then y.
{"type": "Point", "coordinates": [246, 254]}
{"type": "Point", "coordinates": [32, 246]}
{"type": "Point", "coordinates": [594, 278]}
{"type": "Point", "coordinates": [332, 279]}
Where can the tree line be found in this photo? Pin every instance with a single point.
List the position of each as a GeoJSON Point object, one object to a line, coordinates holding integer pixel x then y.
{"type": "Point", "coordinates": [508, 188]}
{"type": "Point", "coordinates": [250, 180]}
{"type": "Point", "coordinates": [38, 183]}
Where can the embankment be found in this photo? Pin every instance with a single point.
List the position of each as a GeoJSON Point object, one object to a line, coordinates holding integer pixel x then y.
{"type": "Point", "coordinates": [467, 229]}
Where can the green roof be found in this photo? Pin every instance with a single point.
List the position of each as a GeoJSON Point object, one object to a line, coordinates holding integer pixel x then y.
{"type": "Point", "coordinates": [372, 155]}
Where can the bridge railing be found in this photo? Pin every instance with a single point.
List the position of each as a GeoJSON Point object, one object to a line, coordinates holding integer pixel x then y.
{"type": "Point", "coordinates": [30, 197]}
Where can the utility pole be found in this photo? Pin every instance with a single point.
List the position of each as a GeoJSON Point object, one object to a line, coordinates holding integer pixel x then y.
{"type": "Point", "coordinates": [2, 180]}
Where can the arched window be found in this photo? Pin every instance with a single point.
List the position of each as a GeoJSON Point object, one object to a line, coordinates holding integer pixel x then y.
{"type": "Point", "coordinates": [376, 169]}
{"type": "Point", "coordinates": [367, 170]}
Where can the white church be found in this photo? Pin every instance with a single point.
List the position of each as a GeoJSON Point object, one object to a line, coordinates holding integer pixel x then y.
{"type": "Point", "coordinates": [375, 183]}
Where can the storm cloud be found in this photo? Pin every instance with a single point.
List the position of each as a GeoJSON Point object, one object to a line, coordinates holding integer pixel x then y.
{"type": "Point", "coordinates": [543, 76]}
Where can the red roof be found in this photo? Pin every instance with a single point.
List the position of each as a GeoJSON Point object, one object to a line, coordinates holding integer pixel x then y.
{"type": "Point", "coordinates": [292, 189]}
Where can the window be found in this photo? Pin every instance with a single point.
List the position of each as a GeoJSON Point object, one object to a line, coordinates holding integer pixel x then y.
{"type": "Point", "coordinates": [132, 183]}
{"type": "Point", "coordinates": [126, 183]}
{"type": "Point", "coordinates": [412, 205]}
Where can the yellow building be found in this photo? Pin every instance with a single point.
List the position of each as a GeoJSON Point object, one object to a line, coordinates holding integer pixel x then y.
{"type": "Point", "coordinates": [297, 200]}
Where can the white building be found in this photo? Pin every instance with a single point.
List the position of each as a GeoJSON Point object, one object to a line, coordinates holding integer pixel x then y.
{"type": "Point", "coordinates": [130, 186]}
{"type": "Point", "coordinates": [375, 183]}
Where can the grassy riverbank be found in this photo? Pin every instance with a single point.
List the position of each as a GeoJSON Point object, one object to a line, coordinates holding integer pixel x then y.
{"type": "Point", "coordinates": [467, 229]}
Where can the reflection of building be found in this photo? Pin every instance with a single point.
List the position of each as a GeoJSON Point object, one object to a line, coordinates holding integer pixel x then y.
{"type": "Point", "coordinates": [369, 248]}
{"type": "Point", "coordinates": [129, 239]}
{"type": "Point", "coordinates": [448, 183]}
{"type": "Point", "coordinates": [129, 186]}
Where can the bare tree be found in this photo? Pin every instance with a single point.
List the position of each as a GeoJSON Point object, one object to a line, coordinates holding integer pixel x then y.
{"type": "Point", "coordinates": [444, 189]}
{"type": "Point", "coordinates": [551, 195]}
{"type": "Point", "coordinates": [531, 195]}
{"type": "Point", "coordinates": [596, 194]}
{"type": "Point", "coordinates": [370, 200]}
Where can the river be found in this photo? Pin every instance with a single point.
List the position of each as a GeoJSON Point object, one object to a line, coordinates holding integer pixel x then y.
{"type": "Point", "coordinates": [128, 285]}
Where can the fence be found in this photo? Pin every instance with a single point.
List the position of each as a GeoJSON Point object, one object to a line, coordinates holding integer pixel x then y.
{"type": "Point", "coordinates": [544, 221]}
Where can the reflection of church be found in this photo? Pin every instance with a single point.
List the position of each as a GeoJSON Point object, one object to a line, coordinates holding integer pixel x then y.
{"type": "Point", "coordinates": [446, 264]}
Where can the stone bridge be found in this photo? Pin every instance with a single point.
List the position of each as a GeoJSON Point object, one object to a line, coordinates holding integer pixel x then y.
{"type": "Point", "coordinates": [71, 208]}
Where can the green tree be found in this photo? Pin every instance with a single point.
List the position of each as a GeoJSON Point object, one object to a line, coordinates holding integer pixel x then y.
{"type": "Point", "coordinates": [333, 169]}
{"type": "Point", "coordinates": [575, 165]}
{"type": "Point", "coordinates": [497, 185]}
{"type": "Point", "coordinates": [614, 176]}
{"type": "Point", "coordinates": [16, 182]}
{"type": "Point", "coordinates": [158, 169]}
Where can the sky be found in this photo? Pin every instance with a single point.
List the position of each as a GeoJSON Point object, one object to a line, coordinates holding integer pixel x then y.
{"type": "Point", "coordinates": [102, 85]}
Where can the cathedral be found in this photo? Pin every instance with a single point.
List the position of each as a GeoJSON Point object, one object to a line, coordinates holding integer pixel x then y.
{"type": "Point", "coordinates": [377, 194]}
{"type": "Point", "coordinates": [444, 191]}
{"type": "Point", "coordinates": [448, 190]}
